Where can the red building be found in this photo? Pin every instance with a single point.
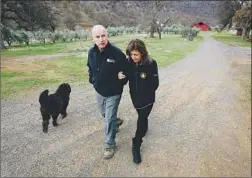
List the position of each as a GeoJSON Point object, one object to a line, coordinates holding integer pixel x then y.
{"type": "Point", "coordinates": [202, 26]}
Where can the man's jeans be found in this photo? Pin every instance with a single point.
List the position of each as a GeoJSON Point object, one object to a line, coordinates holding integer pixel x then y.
{"type": "Point", "coordinates": [108, 106]}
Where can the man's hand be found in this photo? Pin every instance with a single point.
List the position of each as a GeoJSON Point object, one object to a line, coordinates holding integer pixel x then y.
{"type": "Point", "coordinates": [90, 79]}
{"type": "Point", "coordinates": [121, 75]}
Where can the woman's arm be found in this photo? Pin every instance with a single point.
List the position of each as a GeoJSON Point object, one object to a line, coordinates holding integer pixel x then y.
{"type": "Point", "coordinates": [154, 76]}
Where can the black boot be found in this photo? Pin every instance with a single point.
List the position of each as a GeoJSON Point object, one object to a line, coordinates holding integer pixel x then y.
{"type": "Point", "coordinates": [136, 144]}
{"type": "Point", "coordinates": [146, 126]}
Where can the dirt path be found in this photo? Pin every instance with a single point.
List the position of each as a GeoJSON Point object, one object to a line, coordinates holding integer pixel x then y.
{"type": "Point", "coordinates": [197, 127]}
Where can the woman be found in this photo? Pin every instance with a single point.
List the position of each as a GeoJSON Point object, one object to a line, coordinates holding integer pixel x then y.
{"type": "Point", "coordinates": [143, 82]}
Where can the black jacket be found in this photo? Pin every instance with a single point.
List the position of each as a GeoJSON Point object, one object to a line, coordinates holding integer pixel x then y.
{"type": "Point", "coordinates": [104, 67]}
{"type": "Point", "coordinates": [143, 82]}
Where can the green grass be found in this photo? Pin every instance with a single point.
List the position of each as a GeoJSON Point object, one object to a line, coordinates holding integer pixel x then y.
{"type": "Point", "coordinates": [21, 76]}
{"type": "Point", "coordinates": [47, 48]}
{"type": "Point", "coordinates": [165, 51]}
{"type": "Point", "coordinates": [67, 69]}
{"type": "Point", "coordinates": [173, 49]}
{"type": "Point", "coordinates": [231, 39]}
{"type": "Point", "coordinates": [15, 82]}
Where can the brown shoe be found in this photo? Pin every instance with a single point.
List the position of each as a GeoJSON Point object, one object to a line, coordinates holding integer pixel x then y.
{"type": "Point", "coordinates": [119, 122]}
{"type": "Point", "coordinates": [109, 153]}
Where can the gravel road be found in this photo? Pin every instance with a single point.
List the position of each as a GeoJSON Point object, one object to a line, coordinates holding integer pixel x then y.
{"type": "Point", "coordinates": [197, 127]}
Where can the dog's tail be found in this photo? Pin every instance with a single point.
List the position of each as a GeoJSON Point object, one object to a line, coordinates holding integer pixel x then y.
{"type": "Point", "coordinates": [43, 98]}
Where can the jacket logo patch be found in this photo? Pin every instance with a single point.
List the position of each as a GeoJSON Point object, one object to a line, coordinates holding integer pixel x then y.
{"type": "Point", "coordinates": [110, 60]}
{"type": "Point", "coordinates": [143, 75]}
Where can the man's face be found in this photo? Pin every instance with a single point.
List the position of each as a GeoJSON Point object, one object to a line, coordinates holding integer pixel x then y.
{"type": "Point", "coordinates": [100, 37]}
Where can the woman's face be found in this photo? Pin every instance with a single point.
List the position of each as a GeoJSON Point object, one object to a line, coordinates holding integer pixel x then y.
{"type": "Point", "coordinates": [136, 56]}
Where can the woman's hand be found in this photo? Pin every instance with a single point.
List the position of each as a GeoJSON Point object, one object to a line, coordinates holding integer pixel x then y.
{"type": "Point", "coordinates": [121, 75]}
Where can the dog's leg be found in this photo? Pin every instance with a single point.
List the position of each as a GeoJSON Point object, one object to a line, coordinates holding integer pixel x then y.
{"type": "Point", "coordinates": [46, 118]}
{"type": "Point", "coordinates": [63, 111]}
{"type": "Point", "coordinates": [45, 123]}
{"type": "Point", "coordinates": [55, 117]}
{"type": "Point", "coordinates": [45, 126]}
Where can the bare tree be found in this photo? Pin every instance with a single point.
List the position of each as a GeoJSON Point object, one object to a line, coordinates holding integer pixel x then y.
{"type": "Point", "coordinates": [226, 11]}
{"type": "Point", "coordinates": [159, 11]}
{"type": "Point", "coordinates": [243, 18]}
{"type": "Point", "coordinates": [29, 15]}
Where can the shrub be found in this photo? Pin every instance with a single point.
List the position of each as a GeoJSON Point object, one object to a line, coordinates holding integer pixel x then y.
{"type": "Point", "coordinates": [7, 34]}
{"type": "Point", "coordinates": [41, 35]}
{"type": "Point", "coordinates": [22, 37]}
{"type": "Point", "coordinates": [112, 31]}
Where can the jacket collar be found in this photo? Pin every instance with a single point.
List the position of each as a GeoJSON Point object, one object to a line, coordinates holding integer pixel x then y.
{"type": "Point", "coordinates": [104, 49]}
{"type": "Point", "coordinates": [141, 63]}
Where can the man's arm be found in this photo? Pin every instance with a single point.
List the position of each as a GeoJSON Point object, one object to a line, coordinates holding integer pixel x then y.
{"type": "Point", "coordinates": [89, 67]}
{"type": "Point", "coordinates": [123, 66]}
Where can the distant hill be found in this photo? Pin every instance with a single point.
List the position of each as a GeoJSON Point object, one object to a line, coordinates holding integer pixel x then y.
{"type": "Point", "coordinates": [131, 13]}
{"type": "Point", "coordinates": [139, 12]}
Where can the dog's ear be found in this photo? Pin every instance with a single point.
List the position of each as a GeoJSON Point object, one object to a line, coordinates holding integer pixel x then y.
{"type": "Point", "coordinates": [68, 87]}
{"type": "Point", "coordinates": [44, 93]}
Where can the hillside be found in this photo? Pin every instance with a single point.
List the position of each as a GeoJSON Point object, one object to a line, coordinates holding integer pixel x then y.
{"type": "Point", "coordinates": [134, 13]}
{"type": "Point", "coordinates": [68, 13]}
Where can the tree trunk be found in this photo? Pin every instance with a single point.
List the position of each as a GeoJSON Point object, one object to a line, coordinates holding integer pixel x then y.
{"type": "Point", "coordinates": [152, 32]}
{"type": "Point", "coordinates": [2, 45]}
{"type": "Point", "coordinates": [247, 33]}
{"type": "Point", "coordinates": [9, 43]}
{"type": "Point", "coordinates": [244, 32]}
{"type": "Point", "coordinates": [159, 33]}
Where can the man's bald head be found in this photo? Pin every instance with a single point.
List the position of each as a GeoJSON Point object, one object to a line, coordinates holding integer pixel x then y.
{"type": "Point", "coordinates": [100, 36]}
{"type": "Point", "coordinates": [98, 28]}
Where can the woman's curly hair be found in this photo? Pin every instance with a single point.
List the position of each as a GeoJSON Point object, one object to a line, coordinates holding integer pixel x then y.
{"type": "Point", "coordinates": [137, 44]}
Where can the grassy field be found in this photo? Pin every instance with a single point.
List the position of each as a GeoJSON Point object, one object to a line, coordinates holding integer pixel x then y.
{"type": "Point", "coordinates": [47, 48]}
{"type": "Point", "coordinates": [230, 39]}
{"type": "Point", "coordinates": [22, 70]}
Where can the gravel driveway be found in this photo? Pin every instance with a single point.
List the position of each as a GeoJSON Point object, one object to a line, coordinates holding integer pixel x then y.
{"type": "Point", "coordinates": [196, 128]}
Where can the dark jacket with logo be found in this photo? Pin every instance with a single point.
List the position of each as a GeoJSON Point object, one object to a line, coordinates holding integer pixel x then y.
{"type": "Point", "coordinates": [143, 82]}
{"type": "Point", "coordinates": [104, 67]}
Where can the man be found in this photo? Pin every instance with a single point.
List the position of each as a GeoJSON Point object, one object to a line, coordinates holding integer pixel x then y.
{"type": "Point", "coordinates": [104, 62]}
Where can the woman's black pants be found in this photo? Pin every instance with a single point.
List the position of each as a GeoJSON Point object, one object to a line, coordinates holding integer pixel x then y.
{"type": "Point", "coordinates": [142, 122]}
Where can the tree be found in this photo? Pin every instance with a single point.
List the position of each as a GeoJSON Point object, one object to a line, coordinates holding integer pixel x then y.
{"type": "Point", "coordinates": [242, 19]}
{"type": "Point", "coordinates": [30, 15]}
{"type": "Point", "coordinates": [70, 22]}
{"type": "Point", "coordinates": [226, 11]}
{"type": "Point", "coordinates": [22, 37]}
{"type": "Point", "coordinates": [72, 14]}
{"type": "Point", "coordinates": [160, 17]}
{"type": "Point", "coordinates": [7, 35]}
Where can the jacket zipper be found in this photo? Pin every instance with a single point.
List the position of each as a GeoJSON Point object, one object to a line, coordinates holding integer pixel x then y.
{"type": "Point", "coordinates": [97, 68]}
{"type": "Point", "coordinates": [136, 77]}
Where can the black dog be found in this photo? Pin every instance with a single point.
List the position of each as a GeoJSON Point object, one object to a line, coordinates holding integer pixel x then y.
{"type": "Point", "coordinates": [54, 104]}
